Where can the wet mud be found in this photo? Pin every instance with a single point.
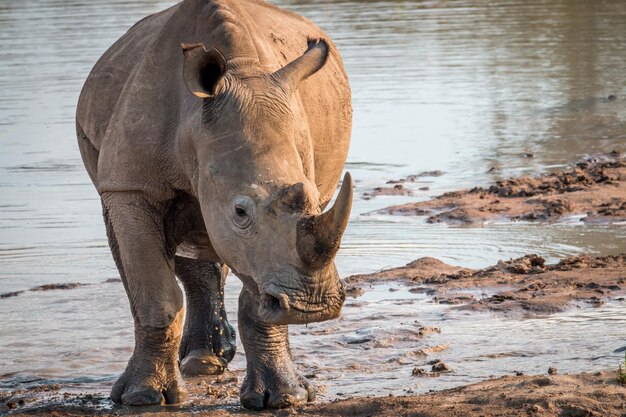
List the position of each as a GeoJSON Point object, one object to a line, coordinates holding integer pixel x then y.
{"type": "Point", "coordinates": [57, 286]}
{"type": "Point", "coordinates": [45, 287]}
{"type": "Point", "coordinates": [594, 189]}
{"type": "Point", "coordinates": [527, 284]}
{"type": "Point", "coordinates": [585, 394]}
{"type": "Point", "coordinates": [395, 190]}
{"type": "Point", "coordinates": [400, 188]}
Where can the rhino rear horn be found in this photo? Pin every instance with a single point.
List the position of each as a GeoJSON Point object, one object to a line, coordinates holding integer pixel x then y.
{"type": "Point", "coordinates": [203, 69]}
{"type": "Point", "coordinates": [304, 66]}
{"type": "Point", "coordinates": [319, 236]}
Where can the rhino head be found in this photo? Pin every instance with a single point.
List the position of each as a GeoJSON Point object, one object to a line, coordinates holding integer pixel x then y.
{"type": "Point", "coordinates": [249, 153]}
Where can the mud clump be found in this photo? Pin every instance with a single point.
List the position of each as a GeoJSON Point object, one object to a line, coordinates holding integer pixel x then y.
{"type": "Point", "coordinates": [418, 371]}
{"type": "Point", "coordinates": [45, 287]}
{"type": "Point", "coordinates": [523, 285]}
{"type": "Point", "coordinates": [529, 264]}
{"type": "Point", "coordinates": [395, 190]}
{"type": "Point", "coordinates": [440, 366]}
{"type": "Point", "coordinates": [11, 294]}
{"type": "Point", "coordinates": [397, 187]}
{"type": "Point", "coordinates": [421, 270]}
{"type": "Point", "coordinates": [63, 286]}
{"type": "Point", "coordinates": [416, 177]}
{"type": "Point", "coordinates": [354, 292]}
{"type": "Point", "coordinates": [595, 188]}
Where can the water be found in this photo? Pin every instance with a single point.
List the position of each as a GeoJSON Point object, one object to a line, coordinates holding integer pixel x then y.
{"type": "Point", "coordinates": [461, 87]}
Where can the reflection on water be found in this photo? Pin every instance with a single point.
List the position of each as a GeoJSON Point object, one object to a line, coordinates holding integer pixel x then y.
{"type": "Point", "coordinates": [470, 84]}
{"type": "Point", "coordinates": [462, 87]}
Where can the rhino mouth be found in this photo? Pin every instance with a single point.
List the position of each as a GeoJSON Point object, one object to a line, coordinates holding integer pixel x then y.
{"type": "Point", "coordinates": [277, 307]}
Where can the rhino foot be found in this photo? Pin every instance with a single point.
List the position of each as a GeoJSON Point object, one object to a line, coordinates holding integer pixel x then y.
{"type": "Point", "coordinates": [152, 376]}
{"type": "Point", "coordinates": [202, 362]}
{"type": "Point", "coordinates": [276, 387]}
{"type": "Point", "coordinates": [207, 352]}
{"type": "Point", "coordinates": [209, 341]}
{"type": "Point", "coordinates": [149, 383]}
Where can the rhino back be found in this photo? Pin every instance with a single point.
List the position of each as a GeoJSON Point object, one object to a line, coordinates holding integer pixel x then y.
{"type": "Point", "coordinates": [108, 77]}
{"type": "Point", "coordinates": [134, 102]}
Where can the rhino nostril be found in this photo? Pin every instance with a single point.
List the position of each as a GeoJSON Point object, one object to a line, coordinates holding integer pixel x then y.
{"type": "Point", "coordinates": [284, 302]}
{"type": "Point", "coordinates": [278, 302]}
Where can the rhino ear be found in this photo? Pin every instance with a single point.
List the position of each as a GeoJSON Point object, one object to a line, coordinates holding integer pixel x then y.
{"type": "Point", "coordinates": [202, 69]}
{"type": "Point", "coordinates": [304, 66]}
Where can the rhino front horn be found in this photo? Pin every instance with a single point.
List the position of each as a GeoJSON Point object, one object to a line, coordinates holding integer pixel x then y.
{"type": "Point", "coordinates": [319, 236]}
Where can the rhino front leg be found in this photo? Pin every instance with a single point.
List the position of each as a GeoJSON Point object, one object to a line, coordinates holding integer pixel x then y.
{"type": "Point", "coordinates": [272, 380]}
{"type": "Point", "coordinates": [135, 232]}
{"type": "Point", "coordinates": [208, 343]}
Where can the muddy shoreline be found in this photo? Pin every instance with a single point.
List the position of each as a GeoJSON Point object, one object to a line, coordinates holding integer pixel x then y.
{"type": "Point", "coordinates": [594, 189]}
{"type": "Point", "coordinates": [523, 287]}
{"type": "Point", "coordinates": [584, 394]}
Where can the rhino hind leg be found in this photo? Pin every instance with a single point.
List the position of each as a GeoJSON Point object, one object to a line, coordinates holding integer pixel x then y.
{"type": "Point", "coordinates": [272, 380]}
{"type": "Point", "coordinates": [147, 271]}
{"type": "Point", "coordinates": [208, 342]}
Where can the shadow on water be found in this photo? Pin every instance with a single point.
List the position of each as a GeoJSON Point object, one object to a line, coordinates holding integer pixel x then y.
{"type": "Point", "coordinates": [478, 90]}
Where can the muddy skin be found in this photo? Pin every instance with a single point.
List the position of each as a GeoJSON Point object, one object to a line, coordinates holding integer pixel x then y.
{"type": "Point", "coordinates": [271, 380]}
{"type": "Point", "coordinates": [208, 342]}
{"type": "Point", "coordinates": [594, 189]}
{"type": "Point", "coordinates": [525, 285]}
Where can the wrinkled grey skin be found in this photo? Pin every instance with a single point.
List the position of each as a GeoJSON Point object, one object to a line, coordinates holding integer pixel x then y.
{"type": "Point", "coordinates": [224, 152]}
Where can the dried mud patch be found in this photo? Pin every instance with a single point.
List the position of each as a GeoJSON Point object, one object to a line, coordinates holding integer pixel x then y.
{"type": "Point", "coordinates": [525, 284]}
{"type": "Point", "coordinates": [595, 189]}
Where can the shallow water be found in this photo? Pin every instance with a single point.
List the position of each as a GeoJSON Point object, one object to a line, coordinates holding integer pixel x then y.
{"type": "Point", "coordinates": [460, 87]}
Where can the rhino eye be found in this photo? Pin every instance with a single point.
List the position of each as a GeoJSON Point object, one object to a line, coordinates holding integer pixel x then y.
{"type": "Point", "coordinates": [243, 211]}
{"type": "Point", "coordinates": [240, 211]}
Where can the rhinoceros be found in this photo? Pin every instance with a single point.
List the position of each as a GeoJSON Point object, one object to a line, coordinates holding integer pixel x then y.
{"type": "Point", "coordinates": [216, 132]}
